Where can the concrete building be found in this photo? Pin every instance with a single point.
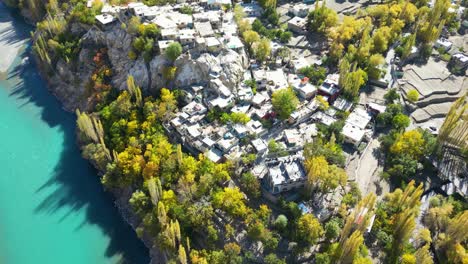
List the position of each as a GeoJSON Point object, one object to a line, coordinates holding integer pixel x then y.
{"type": "Point", "coordinates": [330, 88]}
{"type": "Point", "coordinates": [460, 60]}
{"type": "Point", "coordinates": [105, 20]}
{"type": "Point", "coordinates": [299, 9]}
{"type": "Point", "coordinates": [252, 9]}
{"type": "Point", "coordinates": [355, 126]}
{"type": "Point", "coordinates": [302, 86]}
{"type": "Point", "coordinates": [284, 175]}
{"type": "Point", "coordinates": [444, 44]}
{"type": "Point", "coordinates": [213, 44]}
{"type": "Point", "coordinates": [297, 25]}
{"type": "Point", "coordinates": [204, 29]}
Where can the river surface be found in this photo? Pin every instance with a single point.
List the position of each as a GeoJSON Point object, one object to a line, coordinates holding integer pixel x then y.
{"type": "Point", "coordinates": [53, 209]}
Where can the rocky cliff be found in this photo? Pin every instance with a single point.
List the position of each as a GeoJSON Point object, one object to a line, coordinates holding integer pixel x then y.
{"type": "Point", "coordinates": [70, 81]}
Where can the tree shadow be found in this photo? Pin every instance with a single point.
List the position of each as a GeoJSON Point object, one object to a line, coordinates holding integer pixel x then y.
{"type": "Point", "coordinates": [74, 185]}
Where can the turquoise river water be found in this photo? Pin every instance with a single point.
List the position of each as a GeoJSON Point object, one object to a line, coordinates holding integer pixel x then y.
{"type": "Point", "coordinates": [52, 207]}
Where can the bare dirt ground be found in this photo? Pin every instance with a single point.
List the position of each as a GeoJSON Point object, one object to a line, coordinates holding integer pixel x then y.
{"type": "Point", "coordinates": [366, 171]}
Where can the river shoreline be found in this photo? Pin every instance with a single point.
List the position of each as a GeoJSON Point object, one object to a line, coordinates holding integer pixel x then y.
{"type": "Point", "coordinates": [18, 63]}
{"type": "Point", "coordinates": [10, 44]}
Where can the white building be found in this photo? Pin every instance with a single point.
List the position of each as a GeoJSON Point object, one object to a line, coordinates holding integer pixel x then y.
{"type": "Point", "coordinates": [297, 25]}
{"type": "Point", "coordinates": [355, 126]}
{"type": "Point", "coordinates": [302, 86]}
{"type": "Point", "coordinates": [443, 43]}
{"type": "Point", "coordinates": [285, 176]}
{"type": "Point", "coordinates": [105, 19]}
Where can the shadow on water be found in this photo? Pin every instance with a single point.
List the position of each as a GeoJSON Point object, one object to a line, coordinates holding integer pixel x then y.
{"type": "Point", "coordinates": [75, 182]}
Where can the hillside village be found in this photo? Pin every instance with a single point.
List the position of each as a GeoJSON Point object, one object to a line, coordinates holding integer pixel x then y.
{"type": "Point", "coordinates": [213, 30]}
{"type": "Point", "coordinates": [318, 119]}
{"type": "Point", "coordinates": [262, 143]}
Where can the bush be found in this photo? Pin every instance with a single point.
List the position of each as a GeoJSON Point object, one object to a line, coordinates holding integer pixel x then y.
{"type": "Point", "coordinates": [173, 51]}
{"type": "Point", "coordinates": [412, 95]}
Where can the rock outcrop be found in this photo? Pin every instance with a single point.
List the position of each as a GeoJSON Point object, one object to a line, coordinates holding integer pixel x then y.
{"type": "Point", "coordinates": [229, 64]}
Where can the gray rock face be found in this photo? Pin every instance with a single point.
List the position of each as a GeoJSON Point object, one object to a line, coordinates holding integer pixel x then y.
{"type": "Point", "coordinates": [139, 73]}
{"type": "Point", "coordinates": [229, 64]}
{"type": "Point", "coordinates": [157, 65]}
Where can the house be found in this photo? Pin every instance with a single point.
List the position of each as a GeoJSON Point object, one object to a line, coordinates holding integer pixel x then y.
{"type": "Point", "coordinates": [323, 118]}
{"type": "Point", "coordinates": [376, 109]}
{"type": "Point", "coordinates": [204, 29]}
{"type": "Point", "coordinates": [164, 23]}
{"type": "Point", "coordinates": [213, 44]}
{"type": "Point", "coordinates": [284, 175]}
{"type": "Point", "coordinates": [300, 10]}
{"type": "Point", "coordinates": [239, 130]}
{"type": "Point", "coordinates": [105, 20]}
{"type": "Point", "coordinates": [255, 126]}
{"type": "Point", "coordinates": [226, 144]}
{"type": "Point", "coordinates": [297, 25]}
{"type": "Point", "coordinates": [276, 80]}
{"type": "Point", "coordinates": [259, 99]}
{"type": "Point", "coordinates": [217, 4]}
{"type": "Point", "coordinates": [214, 155]}
{"type": "Point", "coordinates": [221, 102]}
{"type": "Point", "coordinates": [303, 87]}
{"type": "Point", "coordinates": [193, 131]}
{"type": "Point", "coordinates": [460, 60]}
{"type": "Point", "coordinates": [330, 87]}
{"type": "Point", "coordinates": [292, 137]}
{"type": "Point", "coordinates": [234, 43]}
{"type": "Point", "coordinates": [200, 44]}
{"type": "Point", "coordinates": [108, 9]}
{"type": "Point", "coordinates": [163, 45]}
{"type": "Point", "coordinates": [186, 37]}
{"type": "Point", "coordinates": [181, 20]}
{"type": "Point", "coordinates": [260, 146]}
{"type": "Point", "coordinates": [252, 9]}
{"type": "Point", "coordinates": [260, 77]}
{"type": "Point", "coordinates": [245, 94]}
{"type": "Point", "coordinates": [355, 126]}
{"type": "Point", "coordinates": [444, 44]}
{"type": "Point", "coordinates": [342, 104]}
{"type": "Point", "coordinates": [169, 33]}
{"type": "Point", "coordinates": [139, 10]}
{"type": "Point", "coordinates": [194, 108]}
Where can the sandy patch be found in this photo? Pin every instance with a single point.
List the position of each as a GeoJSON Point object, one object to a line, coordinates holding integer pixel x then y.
{"type": "Point", "coordinates": [10, 41]}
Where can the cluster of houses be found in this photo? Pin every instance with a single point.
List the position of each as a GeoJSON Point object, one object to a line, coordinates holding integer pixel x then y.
{"type": "Point", "coordinates": [207, 28]}
{"type": "Point", "coordinates": [193, 127]}
{"type": "Point", "coordinates": [210, 29]}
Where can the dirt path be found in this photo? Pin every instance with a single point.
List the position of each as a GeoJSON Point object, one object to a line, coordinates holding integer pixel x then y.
{"type": "Point", "coordinates": [368, 170]}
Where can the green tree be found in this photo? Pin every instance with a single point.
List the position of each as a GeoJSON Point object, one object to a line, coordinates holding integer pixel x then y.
{"type": "Point", "coordinates": [411, 143]}
{"type": "Point", "coordinates": [400, 121]}
{"type": "Point", "coordinates": [281, 222]}
{"type": "Point", "coordinates": [250, 37]}
{"type": "Point", "coordinates": [309, 229]}
{"type": "Point", "coordinates": [173, 51]}
{"type": "Point", "coordinates": [262, 49]}
{"type": "Point", "coordinates": [332, 230]}
{"type": "Point", "coordinates": [230, 200]}
{"type": "Point", "coordinates": [412, 95]}
{"type": "Point", "coordinates": [284, 102]}
{"type": "Point", "coordinates": [273, 259]}
{"type": "Point", "coordinates": [322, 18]}
{"type": "Point", "coordinates": [250, 184]}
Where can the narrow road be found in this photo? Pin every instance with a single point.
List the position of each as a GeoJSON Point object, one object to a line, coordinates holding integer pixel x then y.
{"type": "Point", "coordinates": [368, 170]}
